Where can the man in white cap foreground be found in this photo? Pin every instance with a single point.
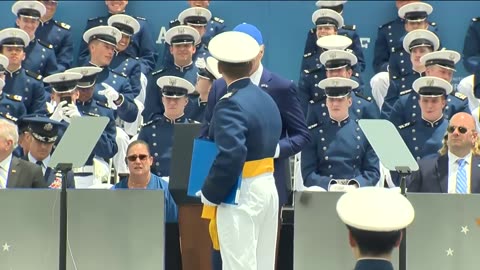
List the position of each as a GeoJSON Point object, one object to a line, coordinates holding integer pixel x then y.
{"type": "Point", "coordinates": [246, 127]}
{"type": "Point", "coordinates": [375, 218]}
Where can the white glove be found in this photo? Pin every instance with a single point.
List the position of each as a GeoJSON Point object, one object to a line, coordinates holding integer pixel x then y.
{"type": "Point", "coordinates": [111, 95]}
{"type": "Point", "coordinates": [70, 111]}
{"type": "Point", "coordinates": [204, 200]}
{"type": "Point", "coordinates": [58, 114]}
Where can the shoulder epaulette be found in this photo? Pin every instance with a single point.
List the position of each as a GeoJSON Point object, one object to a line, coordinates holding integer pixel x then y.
{"type": "Point", "coordinates": [386, 24]}
{"type": "Point", "coordinates": [14, 97]}
{"type": "Point", "coordinates": [433, 23]}
{"type": "Point", "coordinates": [217, 19]}
{"type": "Point", "coordinates": [140, 18]}
{"type": "Point", "coordinates": [360, 95]}
{"type": "Point", "coordinates": [352, 27]}
{"type": "Point", "coordinates": [308, 71]}
{"type": "Point", "coordinates": [476, 19]}
{"type": "Point", "coordinates": [404, 92]}
{"type": "Point", "coordinates": [119, 73]}
{"type": "Point", "coordinates": [102, 104]}
{"type": "Point", "coordinates": [313, 30]}
{"type": "Point", "coordinates": [45, 44]}
{"type": "Point", "coordinates": [34, 75]}
{"type": "Point", "coordinates": [405, 125]}
{"type": "Point", "coordinates": [8, 116]}
{"type": "Point", "coordinates": [191, 121]}
{"type": "Point", "coordinates": [174, 23]}
{"type": "Point", "coordinates": [151, 122]}
{"type": "Point", "coordinates": [307, 55]}
{"type": "Point", "coordinates": [227, 95]}
{"type": "Point", "coordinates": [63, 25]}
{"type": "Point", "coordinates": [93, 114]}
{"type": "Point", "coordinates": [94, 18]}
{"type": "Point", "coordinates": [158, 71]}
{"type": "Point", "coordinates": [313, 126]}
{"type": "Point", "coordinates": [460, 95]}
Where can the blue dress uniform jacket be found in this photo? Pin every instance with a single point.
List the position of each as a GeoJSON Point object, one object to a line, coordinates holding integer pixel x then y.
{"type": "Point", "coordinates": [201, 51]}
{"type": "Point", "coordinates": [398, 87]}
{"type": "Point", "coordinates": [422, 137]}
{"type": "Point", "coordinates": [388, 37]}
{"type": "Point", "coordinates": [12, 104]}
{"type": "Point", "coordinates": [309, 78]}
{"type": "Point", "coordinates": [243, 132]}
{"type": "Point", "coordinates": [40, 58]}
{"type": "Point", "coordinates": [372, 264]}
{"type": "Point", "coordinates": [432, 175]}
{"type": "Point", "coordinates": [142, 44]}
{"type": "Point", "coordinates": [158, 133]}
{"type": "Point", "coordinates": [29, 86]}
{"type": "Point", "coordinates": [153, 96]}
{"type": "Point", "coordinates": [214, 27]}
{"type": "Point", "coordinates": [348, 31]}
{"type": "Point", "coordinates": [157, 183]}
{"type": "Point", "coordinates": [106, 146]}
{"type": "Point", "coordinates": [407, 109]}
{"type": "Point", "coordinates": [195, 109]}
{"type": "Point", "coordinates": [295, 135]}
{"type": "Point", "coordinates": [471, 46]}
{"type": "Point", "coordinates": [127, 111]}
{"type": "Point", "coordinates": [130, 66]}
{"type": "Point", "coordinates": [339, 150]}
{"type": "Point", "coordinates": [59, 35]}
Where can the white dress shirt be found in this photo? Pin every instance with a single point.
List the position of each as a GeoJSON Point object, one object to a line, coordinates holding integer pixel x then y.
{"type": "Point", "coordinates": [44, 162]}
{"type": "Point", "coordinates": [4, 169]}
{"type": "Point", "coordinates": [257, 75]}
{"type": "Point", "coordinates": [453, 169]}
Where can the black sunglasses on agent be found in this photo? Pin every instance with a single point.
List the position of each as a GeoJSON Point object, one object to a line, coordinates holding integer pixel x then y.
{"type": "Point", "coordinates": [133, 158]}
{"type": "Point", "coordinates": [461, 129]}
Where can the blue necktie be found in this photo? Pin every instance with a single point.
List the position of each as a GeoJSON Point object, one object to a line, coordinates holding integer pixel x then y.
{"type": "Point", "coordinates": [461, 177]}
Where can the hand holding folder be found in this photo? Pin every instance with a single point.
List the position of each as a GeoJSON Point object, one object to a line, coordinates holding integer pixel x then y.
{"type": "Point", "coordinates": [203, 154]}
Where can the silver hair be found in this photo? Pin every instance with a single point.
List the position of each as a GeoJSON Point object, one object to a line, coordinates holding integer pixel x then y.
{"type": "Point", "coordinates": [9, 131]}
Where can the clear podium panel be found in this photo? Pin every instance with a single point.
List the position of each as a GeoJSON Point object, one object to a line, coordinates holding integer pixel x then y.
{"type": "Point", "coordinates": [121, 229]}
{"type": "Point", "coordinates": [445, 234]}
{"type": "Point", "coordinates": [29, 229]}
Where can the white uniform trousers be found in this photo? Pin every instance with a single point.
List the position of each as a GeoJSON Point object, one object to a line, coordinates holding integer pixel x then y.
{"type": "Point", "coordinates": [247, 232]}
{"type": "Point", "coordinates": [118, 159]}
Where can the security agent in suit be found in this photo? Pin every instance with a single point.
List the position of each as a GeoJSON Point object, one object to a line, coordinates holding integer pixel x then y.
{"type": "Point", "coordinates": [339, 153]}
{"type": "Point", "coordinates": [374, 218]}
{"type": "Point", "coordinates": [182, 40]}
{"type": "Point", "coordinates": [207, 74]}
{"type": "Point", "coordinates": [43, 136]}
{"type": "Point", "coordinates": [349, 31]}
{"type": "Point", "coordinates": [198, 18]}
{"type": "Point", "coordinates": [329, 22]}
{"type": "Point", "coordinates": [72, 96]}
{"type": "Point", "coordinates": [440, 174]}
{"type": "Point", "coordinates": [439, 64]}
{"type": "Point", "coordinates": [142, 44]}
{"type": "Point", "coordinates": [158, 132]}
{"type": "Point", "coordinates": [15, 172]}
{"type": "Point", "coordinates": [247, 142]}
{"type": "Point", "coordinates": [20, 82]}
{"type": "Point", "coordinates": [423, 134]}
{"type": "Point", "coordinates": [399, 67]}
{"type": "Point", "coordinates": [11, 104]}
{"type": "Point", "coordinates": [338, 63]}
{"type": "Point", "coordinates": [417, 43]}
{"type": "Point", "coordinates": [40, 56]}
{"type": "Point", "coordinates": [471, 46]}
{"type": "Point", "coordinates": [58, 34]}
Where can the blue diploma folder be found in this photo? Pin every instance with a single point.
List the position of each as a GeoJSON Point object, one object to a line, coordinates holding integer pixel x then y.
{"type": "Point", "coordinates": [203, 154]}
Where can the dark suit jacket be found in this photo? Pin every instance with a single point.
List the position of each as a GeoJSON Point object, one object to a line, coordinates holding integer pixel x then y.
{"type": "Point", "coordinates": [295, 133]}
{"type": "Point", "coordinates": [432, 175]}
{"type": "Point", "coordinates": [24, 174]}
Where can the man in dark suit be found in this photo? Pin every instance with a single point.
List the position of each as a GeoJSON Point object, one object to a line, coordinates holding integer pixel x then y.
{"type": "Point", "coordinates": [295, 134]}
{"type": "Point", "coordinates": [14, 172]}
{"type": "Point", "coordinates": [457, 168]}
{"type": "Point", "coordinates": [375, 218]}
{"type": "Point", "coordinates": [43, 135]}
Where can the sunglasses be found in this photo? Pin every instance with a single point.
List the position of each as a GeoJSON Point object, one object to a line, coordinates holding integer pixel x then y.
{"type": "Point", "coordinates": [133, 158]}
{"type": "Point", "coordinates": [461, 129]}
